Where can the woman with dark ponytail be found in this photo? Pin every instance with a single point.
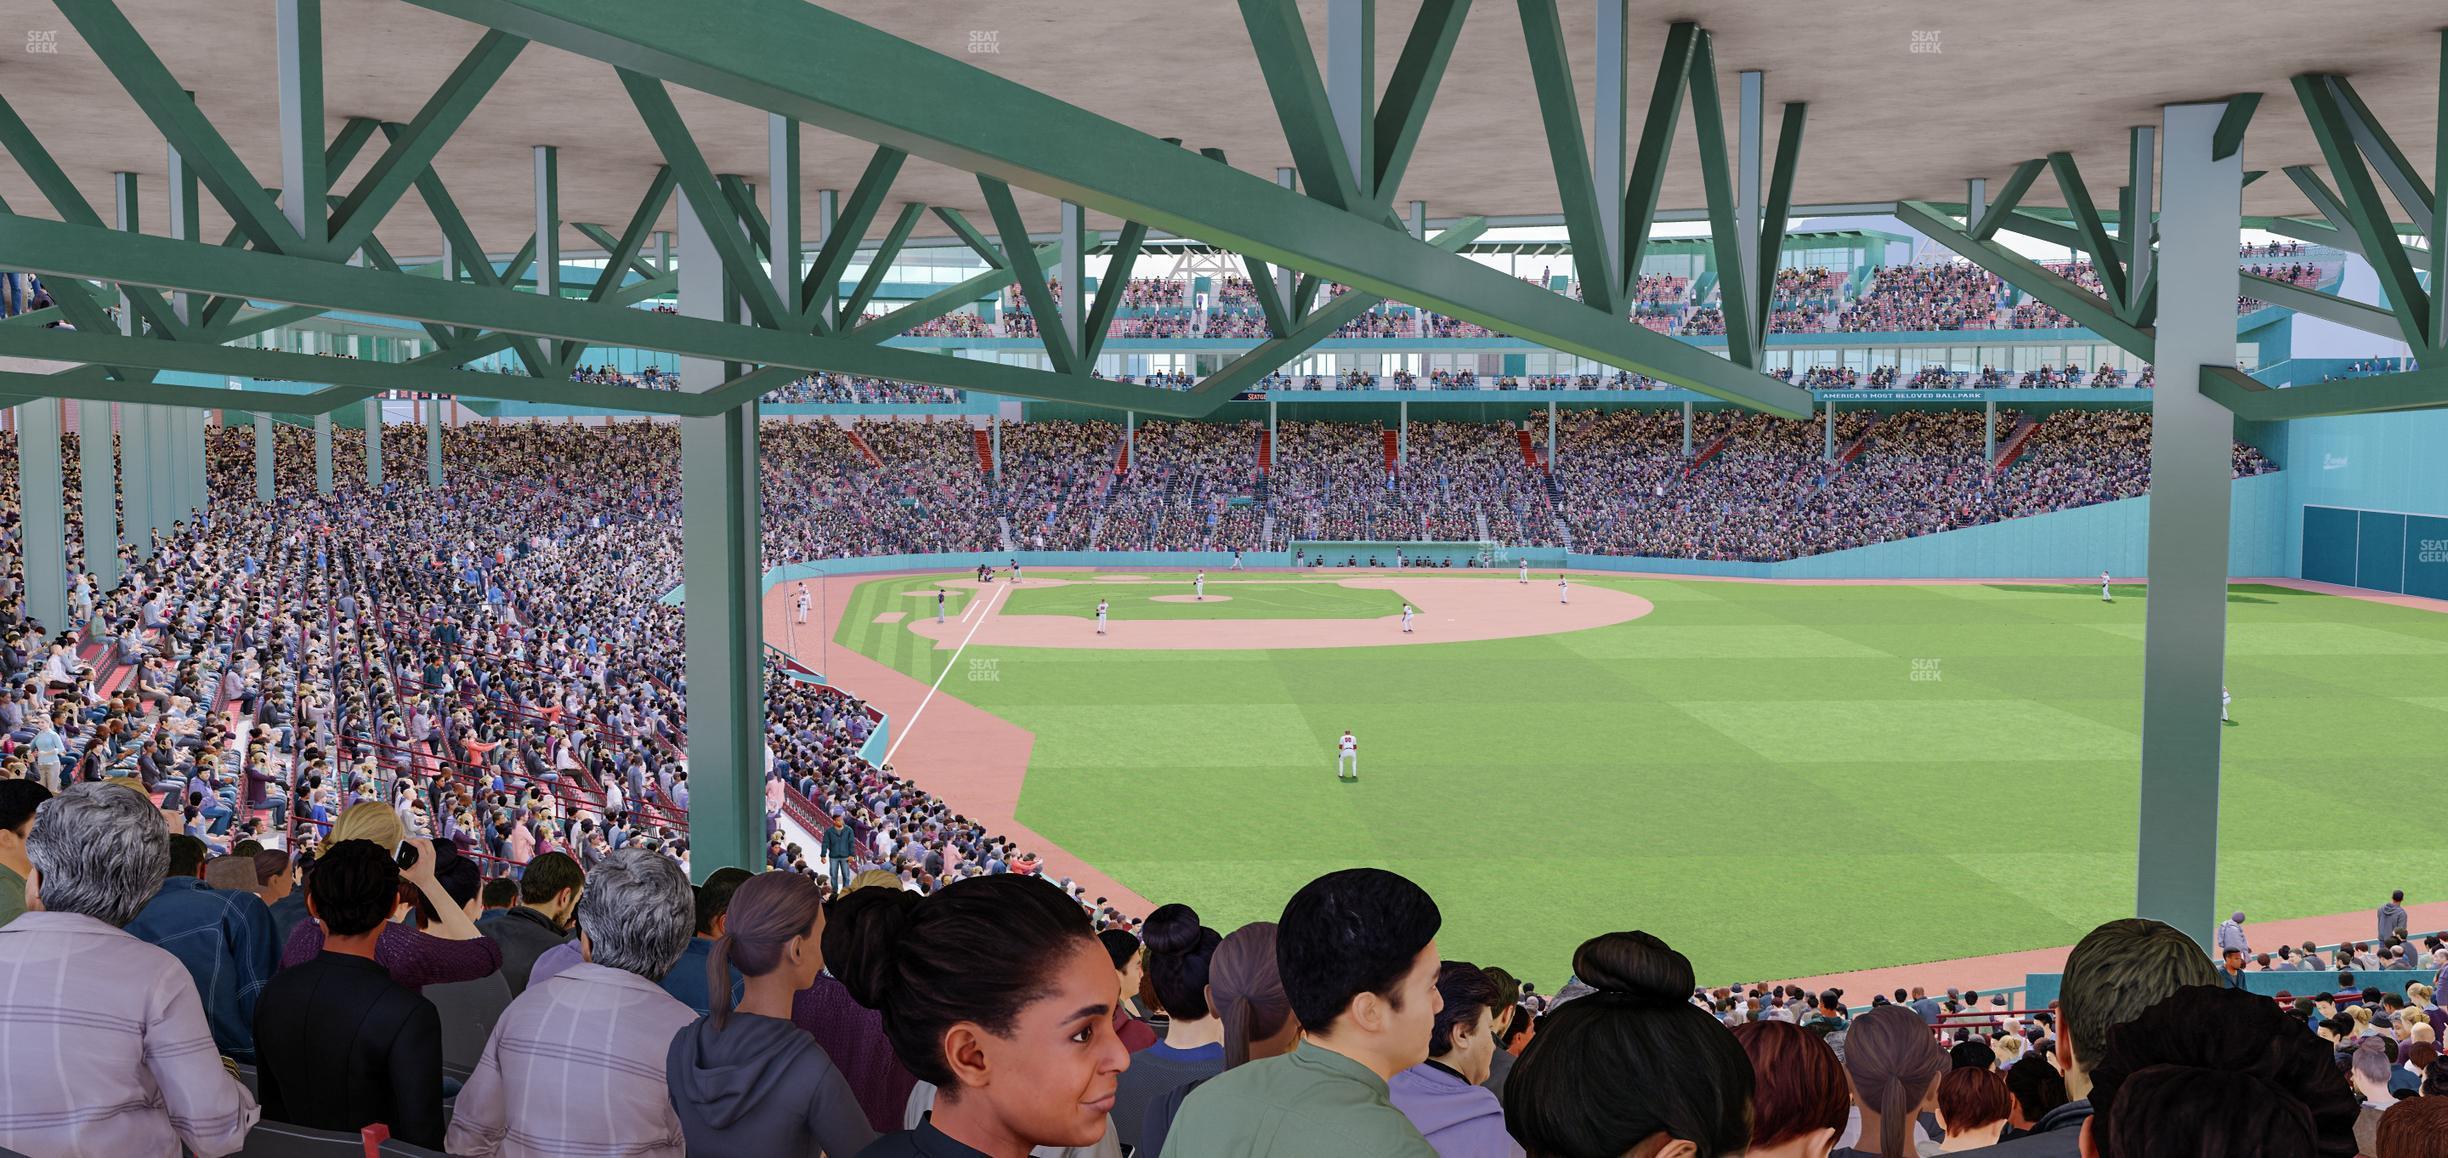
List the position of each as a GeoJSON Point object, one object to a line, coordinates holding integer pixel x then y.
{"type": "Point", "coordinates": [1177, 952]}
{"type": "Point", "coordinates": [1632, 1068]}
{"type": "Point", "coordinates": [747, 1080]}
{"type": "Point", "coordinates": [1253, 1016]}
{"type": "Point", "coordinates": [995, 990]}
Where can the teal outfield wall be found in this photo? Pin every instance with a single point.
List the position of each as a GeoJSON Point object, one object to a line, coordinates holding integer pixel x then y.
{"type": "Point", "coordinates": [2388, 464]}
{"type": "Point", "coordinates": [2085, 541]}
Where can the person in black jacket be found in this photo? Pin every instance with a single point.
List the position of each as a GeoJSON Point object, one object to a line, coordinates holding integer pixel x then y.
{"type": "Point", "coordinates": [340, 1045]}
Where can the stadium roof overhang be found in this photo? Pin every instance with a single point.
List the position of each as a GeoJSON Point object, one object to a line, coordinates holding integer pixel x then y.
{"type": "Point", "coordinates": [980, 127]}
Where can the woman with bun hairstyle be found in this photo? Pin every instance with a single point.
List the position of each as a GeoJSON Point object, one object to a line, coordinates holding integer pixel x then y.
{"type": "Point", "coordinates": [995, 990]}
{"type": "Point", "coordinates": [747, 1081]}
{"type": "Point", "coordinates": [852, 1034]}
{"type": "Point", "coordinates": [1253, 1017]}
{"type": "Point", "coordinates": [1177, 955]}
{"type": "Point", "coordinates": [1895, 1065]}
{"type": "Point", "coordinates": [1632, 1068]}
{"type": "Point", "coordinates": [1800, 1100]}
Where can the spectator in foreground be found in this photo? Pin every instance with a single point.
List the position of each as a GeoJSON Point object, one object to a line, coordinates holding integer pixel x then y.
{"type": "Point", "coordinates": [688, 980]}
{"type": "Point", "coordinates": [2209, 1072]}
{"type": "Point", "coordinates": [745, 1080]}
{"type": "Point", "coordinates": [2114, 973]}
{"type": "Point", "coordinates": [2368, 1069]}
{"type": "Point", "coordinates": [1800, 1097]}
{"type": "Point", "coordinates": [452, 951]}
{"type": "Point", "coordinates": [224, 938]}
{"type": "Point", "coordinates": [2415, 1128]}
{"type": "Point", "coordinates": [1442, 1095]}
{"type": "Point", "coordinates": [560, 1074]}
{"type": "Point", "coordinates": [18, 800]}
{"type": "Point", "coordinates": [1510, 1018]}
{"type": "Point", "coordinates": [1634, 1067]}
{"type": "Point", "coordinates": [2037, 1088]}
{"type": "Point", "coordinates": [1972, 1108]}
{"type": "Point", "coordinates": [1130, 968]}
{"type": "Point", "coordinates": [1357, 952]}
{"type": "Point", "coordinates": [1895, 1067]}
{"type": "Point", "coordinates": [1245, 988]}
{"type": "Point", "coordinates": [343, 1045]}
{"type": "Point", "coordinates": [995, 990]}
{"type": "Point", "coordinates": [1178, 952]}
{"type": "Point", "coordinates": [123, 1014]}
{"type": "Point", "coordinates": [852, 1034]}
{"type": "Point", "coordinates": [548, 891]}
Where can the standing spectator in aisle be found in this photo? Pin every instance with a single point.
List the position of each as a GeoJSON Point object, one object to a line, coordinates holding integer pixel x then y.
{"type": "Point", "coordinates": [342, 1045]}
{"type": "Point", "coordinates": [122, 1015]}
{"type": "Point", "coordinates": [1632, 1067]}
{"type": "Point", "coordinates": [2393, 916]}
{"type": "Point", "coordinates": [688, 980]}
{"type": "Point", "coordinates": [1177, 956]}
{"type": "Point", "coordinates": [746, 1080]}
{"type": "Point", "coordinates": [1357, 950]}
{"type": "Point", "coordinates": [223, 937]}
{"type": "Point", "coordinates": [839, 848]}
{"type": "Point", "coordinates": [560, 1074]}
{"type": "Point", "coordinates": [548, 894]}
{"type": "Point", "coordinates": [1801, 1099]}
{"type": "Point", "coordinates": [2231, 935]}
{"type": "Point", "coordinates": [2114, 973]}
{"type": "Point", "coordinates": [2213, 1071]}
{"type": "Point", "coordinates": [995, 992]}
{"type": "Point", "coordinates": [1442, 1095]}
{"type": "Point", "coordinates": [18, 800]}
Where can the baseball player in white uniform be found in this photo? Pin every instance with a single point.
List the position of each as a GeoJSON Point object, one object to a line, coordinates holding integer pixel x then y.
{"type": "Point", "coordinates": [803, 604]}
{"type": "Point", "coordinates": [1525, 572]}
{"type": "Point", "coordinates": [1100, 617]}
{"type": "Point", "coordinates": [2104, 596]}
{"type": "Point", "coordinates": [1406, 622]}
{"type": "Point", "coordinates": [1347, 757]}
{"type": "Point", "coordinates": [1236, 563]}
{"type": "Point", "coordinates": [1200, 584]}
{"type": "Point", "coordinates": [1563, 589]}
{"type": "Point", "coordinates": [939, 605]}
{"type": "Point", "coordinates": [2225, 698]}
{"type": "Point", "coordinates": [1015, 569]}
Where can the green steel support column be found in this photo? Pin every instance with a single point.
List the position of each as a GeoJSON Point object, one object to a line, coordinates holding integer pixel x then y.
{"type": "Point", "coordinates": [373, 443]}
{"type": "Point", "coordinates": [1750, 139]}
{"type": "Point", "coordinates": [994, 445]}
{"type": "Point", "coordinates": [264, 468]}
{"type": "Point", "coordinates": [782, 234]}
{"type": "Point", "coordinates": [1402, 433]}
{"type": "Point", "coordinates": [2185, 635]}
{"type": "Point", "coordinates": [298, 44]}
{"type": "Point", "coordinates": [199, 483]}
{"type": "Point", "coordinates": [98, 468]}
{"type": "Point", "coordinates": [136, 478]}
{"type": "Point", "coordinates": [1609, 138]}
{"type": "Point", "coordinates": [433, 441]}
{"type": "Point", "coordinates": [323, 455]}
{"type": "Point", "coordinates": [1419, 220]}
{"type": "Point", "coordinates": [1687, 425]}
{"type": "Point", "coordinates": [1287, 177]}
{"type": "Point", "coordinates": [1827, 442]}
{"type": "Point", "coordinates": [43, 513]}
{"type": "Point", "coordinates": [1130, 433]}
{"type": "Point", "coordinates": [548, 222]}
{"type": "Point", "coordinates": [1976, 198]}
{"type": "Point", "coordinates": [828, 214]}
{"type": "Point", "coordinates": [1989, 430]}
{"type": "Point", "coordinates": [2142, 143]}
{"type": "Point", "coordinates": [1351, 84]}
{"type": "Point", "coordinates": [1074, 278]}
{"type": "Point", "coordinates": [725, 601]}
{"type": "Point", "coordinates": [1551, 436]}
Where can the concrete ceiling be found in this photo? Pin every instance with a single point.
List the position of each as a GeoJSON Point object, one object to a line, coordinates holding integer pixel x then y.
{"type": "Point", "coordinates": [2005, 82]}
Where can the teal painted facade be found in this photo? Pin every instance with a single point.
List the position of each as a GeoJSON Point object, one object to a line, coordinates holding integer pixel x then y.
{"type": "Point", "coordinates": [2366, 490]}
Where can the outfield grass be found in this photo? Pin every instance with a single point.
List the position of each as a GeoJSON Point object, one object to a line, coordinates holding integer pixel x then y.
{"type": "Point", "coordinates": [1778, 780]}
{"type": "Point", "coordinates": [1244, 599]}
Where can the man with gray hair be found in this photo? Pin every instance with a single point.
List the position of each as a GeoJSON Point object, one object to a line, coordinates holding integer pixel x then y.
{"type": "Point", "coordinates": [576, 1054]}
{"type": "Point", "coordinates": [111, 1018]}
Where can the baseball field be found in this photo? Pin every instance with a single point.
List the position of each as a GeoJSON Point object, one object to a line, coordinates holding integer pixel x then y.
{"type": "Point", "coordinates": [1780, 780]}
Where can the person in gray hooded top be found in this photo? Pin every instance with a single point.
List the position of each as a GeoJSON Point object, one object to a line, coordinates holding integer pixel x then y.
{"type": "Point", "coordinates": [748, 1080]}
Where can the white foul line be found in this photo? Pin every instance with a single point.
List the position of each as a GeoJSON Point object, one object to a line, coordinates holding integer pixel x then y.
{"type": "Point", "coordinates": [949, 664]}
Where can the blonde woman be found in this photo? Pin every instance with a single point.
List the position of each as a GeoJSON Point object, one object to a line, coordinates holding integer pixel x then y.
{"type": "Point", "coordinates": [2009, 1049]}
{"type": "Point", "coordinates": [416, 958]}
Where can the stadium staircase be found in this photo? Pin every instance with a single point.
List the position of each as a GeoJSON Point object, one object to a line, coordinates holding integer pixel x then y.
{"type": "Point", "coordinates": [1003, 525]}
{"type": "Point", "coordinates": [1393, 450]}
{"type": "Point", "coordinates": [1096, 529]}
{"type": "Point", "coordinates": [1481, 516]}
{"type": "Point", "coordinates": [985, 450]}
{"type": "Point", "coordinates": [1859, 445]}
{"type": "Point", "coordinates": [1266, 453]}
{"type": "Point", "coordinates": [865, 451]}
{"type": "Point", "coordinates": [1706, 453]}
{"type": "Point", "coordinates": [2016, 440]}
{"type": "Point", "coordinates": [1530, 455]}
{"type": "Point", "coordinates": [1121, 460]}
{"type": "Point", "coordinates": [1563, 529]}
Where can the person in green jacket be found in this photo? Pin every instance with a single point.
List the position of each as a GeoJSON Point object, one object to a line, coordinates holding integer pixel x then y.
{"type": "Point", "coordinates": [18, 800]}
{"type": "Point", "coordinates": [1358, 957]}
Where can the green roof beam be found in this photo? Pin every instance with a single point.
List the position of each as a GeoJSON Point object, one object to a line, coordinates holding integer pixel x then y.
{"type": "Point", "coordinates": [412, 152]}
{"type": "Point", "coordinates": [1648, 168]}
{"type": "Point", "coordinates": [2360, 200]}
{"type": "Point", "coordinates": [2424, 389]}
{"type": "Point", "coordinates": [1559, 104]}
{"type": "Point", "coordinates": [1743, 343]}
{"type": "Point", "coordinates": [705, 199]}
{"type": "Point", "coordinates": [1116, 283]}
{"type": "Point", "coordinates": [849, 230]}
{"type": "Point", "coordinates": [1417, 73]}
{"type": "Point", "coordinates": [2087, 309]}
{"type": "Point", "coordinates": [1298, 91]}
{"type": "Point", "coordinates": [2096, 241]}
{"type": "Point", "coordinates": [1270, 355]}
{"type": "Point", "coordinates": [880, 262]}
{"type": "Point", "coordinates": [1031, 275]}
{"type": "Point", "coordinates": [1778, 208]}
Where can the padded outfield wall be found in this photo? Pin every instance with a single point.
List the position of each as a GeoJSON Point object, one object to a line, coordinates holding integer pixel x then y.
{"type": "Point", "coordinates": [2367, 501]}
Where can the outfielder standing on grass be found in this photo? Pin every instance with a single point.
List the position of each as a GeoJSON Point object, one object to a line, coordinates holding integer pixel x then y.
{"type": "Point", "coordinates": [2104, 596]}
{"type": "Point", "coordinates": [1347, 758]}
{"type": "Point", "coordinates": [1200, 584]}
{"type": "Point", "coordinates": [1100, 617]}
{"type": "Point", "coordinates": [939, 605]}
